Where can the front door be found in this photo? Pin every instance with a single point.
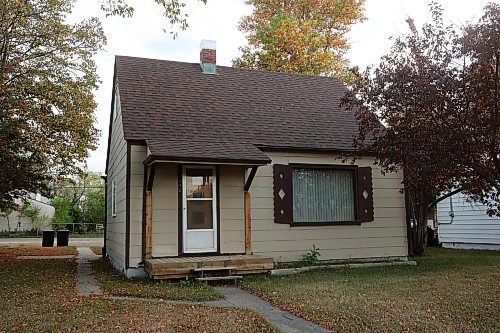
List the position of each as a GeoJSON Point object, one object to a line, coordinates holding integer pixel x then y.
{"type": "Point", "coordinates": [199, 209]}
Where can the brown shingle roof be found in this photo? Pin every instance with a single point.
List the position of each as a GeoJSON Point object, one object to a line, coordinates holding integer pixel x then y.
{"type": "Point", "coordinates": [184, 114]}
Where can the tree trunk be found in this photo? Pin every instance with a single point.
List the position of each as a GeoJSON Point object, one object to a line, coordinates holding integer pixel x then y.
{"type": "Point", "coordinates": [417, 210]}
{"type": "Point", "coordinates": [420, 239]}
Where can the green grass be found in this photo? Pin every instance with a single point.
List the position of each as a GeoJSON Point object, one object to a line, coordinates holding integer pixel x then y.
{"type": "Point", "coordinates": [116, 284]}
{"type": "Point", "coordinates": [448, 291]}
{"type": "Point", "coordinates": [39, 296]}
{"type": "Point", "coordinates": [96, 250]}
{"type": "Point", "coordinates": [87, 235]}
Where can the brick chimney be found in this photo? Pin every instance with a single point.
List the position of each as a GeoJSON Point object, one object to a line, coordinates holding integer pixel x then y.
{"type": "Point", "coordinates": [208, 57]}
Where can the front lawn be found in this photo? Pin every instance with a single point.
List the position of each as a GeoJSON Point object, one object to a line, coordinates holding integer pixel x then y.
{"type": "Point", "coordinates": [117, 285]}
{"type": "Point", "coordinates": [39, 296]}
{"type": "Point", "coordinates": [37, 251]}
{"type": "Point", "coordinates": [448, 291]}
{"type": "Point", "coordinates": [135, 316]}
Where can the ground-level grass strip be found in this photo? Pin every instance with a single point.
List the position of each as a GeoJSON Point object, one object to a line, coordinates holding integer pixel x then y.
{"type": "Point", "coordinates": [448, 291]}
{"type": "Point", "coordinates": [116, 284]}
{"type": "Point", "coordinates": [37, 251]}
{"type": "Point", "coordinates": [39, 296]}
{"type": "Point", "coordinates": [96, 250]}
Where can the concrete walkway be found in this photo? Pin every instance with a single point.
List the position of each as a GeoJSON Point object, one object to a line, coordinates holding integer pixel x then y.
{"type": "Point", "coordinates": [86, 283]}
{"type": "Point", "coordinates": [78, 242]}
{"type": "Point", "coordinates": [284, 320]}
{"type": "Point", "coordinates": [237, 298]}
{"type": "Point", "coordinates": [287, 322]}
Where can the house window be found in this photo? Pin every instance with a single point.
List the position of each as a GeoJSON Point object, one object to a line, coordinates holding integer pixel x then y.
{"type": "Point", "coordinates": [323, 195]}
{"type": "Point", "coordinates": [117, 105]}
{"type": "Point", "coordinates": [113, 198]}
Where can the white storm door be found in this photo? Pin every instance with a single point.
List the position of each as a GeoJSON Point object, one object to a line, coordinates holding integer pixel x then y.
{"type": "Point", "coordinates": [199, 222]}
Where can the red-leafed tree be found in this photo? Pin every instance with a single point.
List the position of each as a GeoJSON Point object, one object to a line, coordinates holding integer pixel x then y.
{"type": "Point", "coordinates": [437, 94]}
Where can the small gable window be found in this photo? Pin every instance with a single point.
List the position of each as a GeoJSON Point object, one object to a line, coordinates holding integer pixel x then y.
{"type": "Point", "coordinates": [322, 194]}
{"type": "Point", "coordinates": [113, 198]}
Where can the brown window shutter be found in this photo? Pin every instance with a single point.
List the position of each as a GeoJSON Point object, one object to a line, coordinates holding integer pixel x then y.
{"type": "Point", "coordinates": [365, 194]}
{"type": "Point", "coordinates": [283, 193]}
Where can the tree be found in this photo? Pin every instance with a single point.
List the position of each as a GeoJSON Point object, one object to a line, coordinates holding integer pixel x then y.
{"type": "Point", "coordinates": [62, 214]}
{"type": "Point", "coordinates": [94, 208]}
{"type": "Point", "coordinates": [47, 78]}
{"type": "Point", "coordinates": [172, 10]}
{"type": "Point", "coordinates": [6, 215]}
{"type": "Point", "coordinates": [33, 212]}
{"type": "Point", "coordinates": [79, 199]}
{"type": "Point", "coordinates": [299, 36]}
{"type": "Point", "coordinates": [437, 93]}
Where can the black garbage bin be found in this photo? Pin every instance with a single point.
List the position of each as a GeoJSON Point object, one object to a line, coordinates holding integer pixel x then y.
{"type": "Point", "coordinates": [62, 237]}
{"type": "Point", "coordinates": [48, 238]}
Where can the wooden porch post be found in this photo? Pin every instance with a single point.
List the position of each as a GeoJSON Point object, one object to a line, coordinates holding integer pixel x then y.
{"type": "Point", "coordinates": [149, 223]}
{"type": "Point", "coordinates": [248, 225]}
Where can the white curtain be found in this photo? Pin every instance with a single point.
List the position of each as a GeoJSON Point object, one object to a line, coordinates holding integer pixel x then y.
{"type": "Point", "coordinates": [323, 195]}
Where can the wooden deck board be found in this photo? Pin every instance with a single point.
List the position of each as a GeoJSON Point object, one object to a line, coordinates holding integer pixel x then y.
{"type": "Point", "coordinates": [179, 267]}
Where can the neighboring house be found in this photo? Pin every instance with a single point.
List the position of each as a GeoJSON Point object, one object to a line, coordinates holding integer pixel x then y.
{"type": "Point", "coordinates": [219, 161]}
{"type": "Point", "coordinates": [19, 222]}
{"type": "Point", "coordinates": [465, 225]}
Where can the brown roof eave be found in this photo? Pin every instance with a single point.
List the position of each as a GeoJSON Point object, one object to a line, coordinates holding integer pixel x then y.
{"type": "Point", "coordinates": [344, 152]}
{"type": "Point", "coordinates": [173, 159]}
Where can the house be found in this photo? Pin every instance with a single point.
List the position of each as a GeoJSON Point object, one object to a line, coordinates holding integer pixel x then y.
{"type": "Point", "coordinates": [465, 225]}
{"type": "Point", "coordinates": [213, 165]}
{"type": "Point", "coordinates": [16, 221]}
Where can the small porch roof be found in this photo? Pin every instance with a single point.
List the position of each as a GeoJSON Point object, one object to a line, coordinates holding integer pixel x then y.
{"type": "Point", "coordinates": [189, 150]}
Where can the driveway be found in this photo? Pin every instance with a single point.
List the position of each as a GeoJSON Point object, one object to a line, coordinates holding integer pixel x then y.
{"type": "Point", "coordinates": [78, 242]}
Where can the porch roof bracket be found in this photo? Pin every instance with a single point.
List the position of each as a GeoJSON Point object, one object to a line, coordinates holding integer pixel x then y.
{"type": "Point", "coordinates": [151, 178]}
{"type": "Point", "coordinates": [250, 178]}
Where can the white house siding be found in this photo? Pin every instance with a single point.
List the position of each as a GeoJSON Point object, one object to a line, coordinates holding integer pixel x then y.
{"type": "Point", "coordinates": [137, 156]}
{"type": "Point", "coordinates": [470, 228]}
{"type": "Point", "coordinates": [117, 171]}
{"type": "Point", "coordinates": [384, 237]}
{"type": "Point", "coordinates": [21, 223]}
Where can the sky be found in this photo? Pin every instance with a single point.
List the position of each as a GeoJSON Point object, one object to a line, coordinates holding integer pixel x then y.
{"type": "Point", "coordinates": [143, 36]}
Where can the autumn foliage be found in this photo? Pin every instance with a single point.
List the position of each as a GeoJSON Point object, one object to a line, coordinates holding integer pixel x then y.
{"type": "Point", "coordinates": [437, 93]}
{"type": "Point", "coordinates": [299, 36]}
{"type": "Point", "coordinates": [47, 78]}
{"type": "Point", "coordinates": [173, 10]}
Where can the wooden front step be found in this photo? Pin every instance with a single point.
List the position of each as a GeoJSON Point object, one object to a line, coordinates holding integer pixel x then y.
{"type": "Point", "coordinates": [208, 269]}
{"type": "Point", "coordinates": [182, 267]}
{"type": "Point", "coordinates": [220, 278]}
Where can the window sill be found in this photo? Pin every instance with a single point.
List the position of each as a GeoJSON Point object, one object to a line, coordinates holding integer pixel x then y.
{"type": "Point", "coordinates": [316, 224]}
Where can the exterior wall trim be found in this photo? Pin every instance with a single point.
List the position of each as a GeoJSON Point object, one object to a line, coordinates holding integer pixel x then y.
{"type": "Point", "coordinates": [143, 227]}
{"type": "Point", "coordinates": [105, 178]}
{"type": "Point", "coordinates": [127, 207]}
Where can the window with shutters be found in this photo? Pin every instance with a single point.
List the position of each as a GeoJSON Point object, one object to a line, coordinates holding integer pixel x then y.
{"type": "Point", "coordinates": [323, 195]}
